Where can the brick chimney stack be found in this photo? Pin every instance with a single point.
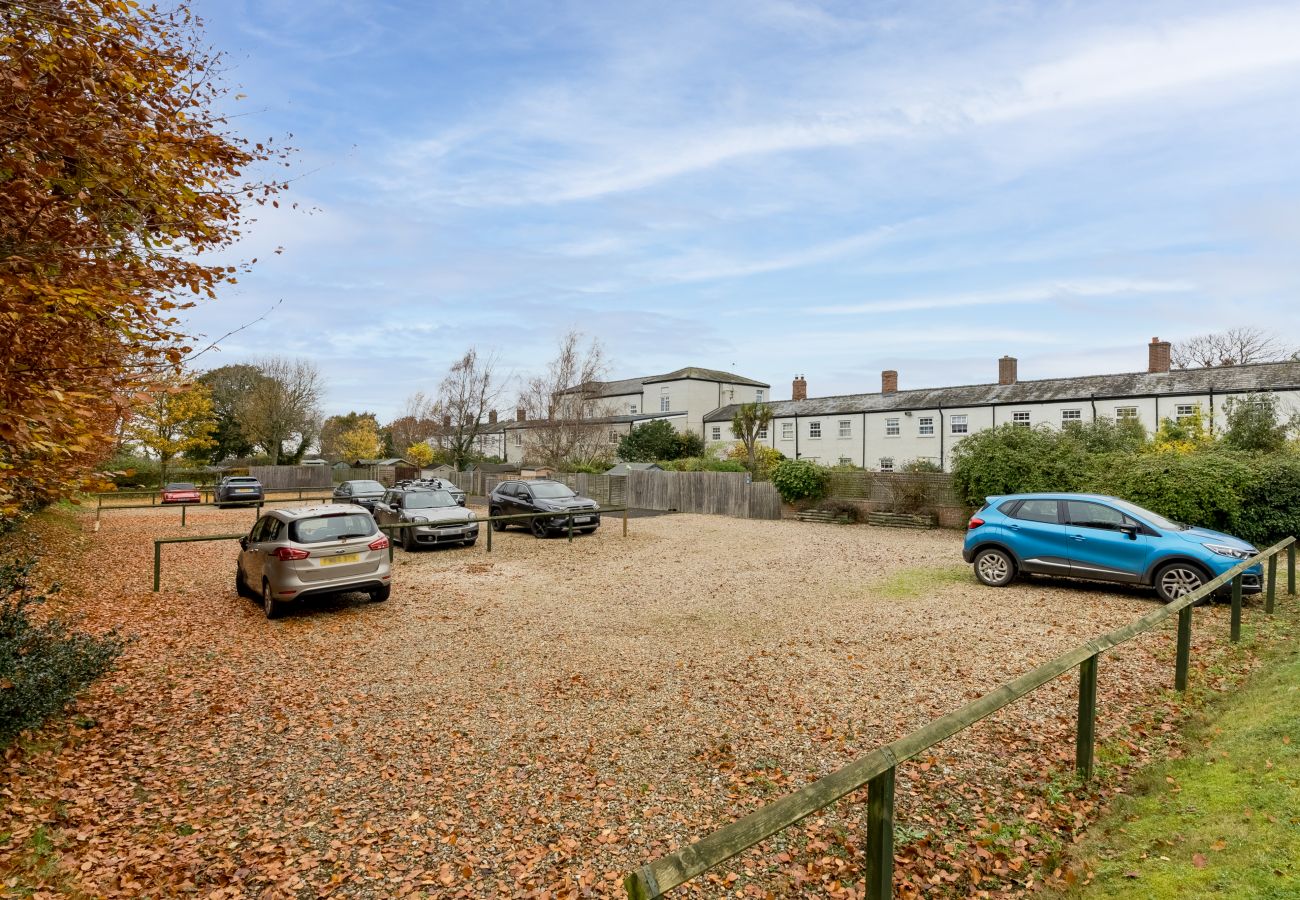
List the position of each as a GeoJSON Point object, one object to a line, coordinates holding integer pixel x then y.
{"type": "Point", "coordinates": [492, 416]}
{"type": "Point", "coordinates": [1007, 370]}
{"type": "Point", "coordinates": [521, 414]}
{"type": "Point", "coordinates": [889, 382]}
{"type": "Point", "coordinates": [1158, 355]}
{"type": "Point", "coordinates": [799, 390]}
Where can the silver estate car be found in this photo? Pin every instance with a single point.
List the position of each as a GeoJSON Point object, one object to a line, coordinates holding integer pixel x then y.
{"type": "Point", "coordinates": [293, 554]}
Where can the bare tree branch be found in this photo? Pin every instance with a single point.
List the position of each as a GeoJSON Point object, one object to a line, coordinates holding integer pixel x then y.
{"type": "Point", "coordinates": [1233, 347]}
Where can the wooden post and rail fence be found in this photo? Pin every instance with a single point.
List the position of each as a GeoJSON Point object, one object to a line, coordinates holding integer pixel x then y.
{"type": "Point", "coordinates": [876, 770]}
{"type": "Point", "coordinates": [388, 529]}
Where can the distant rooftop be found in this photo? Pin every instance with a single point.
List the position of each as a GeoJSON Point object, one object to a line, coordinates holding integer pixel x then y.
{"type": "Point", "coordinates": [636, 385]}
{"type": "Point", "coordinates": [1217, 379]}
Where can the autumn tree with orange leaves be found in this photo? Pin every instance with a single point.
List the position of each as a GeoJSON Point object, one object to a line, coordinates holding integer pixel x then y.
{"type": "Point", "coordinates": [119, 181]}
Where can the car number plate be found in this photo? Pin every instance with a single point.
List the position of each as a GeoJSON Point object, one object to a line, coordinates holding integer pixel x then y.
{"type": "Point", "coordinates": [336, 560]}
{"type": "Point", "coordinates": [243, 490]}
{"type": "Point", "coordinates": [581, 520]}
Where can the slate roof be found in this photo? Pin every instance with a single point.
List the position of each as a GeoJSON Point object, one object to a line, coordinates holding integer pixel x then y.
{"type": "Point", "coordinates": [636, 385]}
{"type": "Point", "coordinates": [598, 420]}
{"type": "Point", "coordinates": [1276, 376]}
{"type": "Point", "coordinates": [699, 374]}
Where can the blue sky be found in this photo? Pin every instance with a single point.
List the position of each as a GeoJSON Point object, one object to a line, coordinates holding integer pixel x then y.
{"type": "Point", "coordinates": [767, 186]}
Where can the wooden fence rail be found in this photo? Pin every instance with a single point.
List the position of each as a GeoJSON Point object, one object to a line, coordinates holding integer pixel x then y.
{"type": "Point", "coordinates": [388, 529]}
{"type": "Point", "coordinates": [876, 769]}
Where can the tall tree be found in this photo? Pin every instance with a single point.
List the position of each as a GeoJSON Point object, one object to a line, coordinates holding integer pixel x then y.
{"type": "Point", "coordinates": [563, 402]}
{"type": "Point", "coordinates": [332, 444]}
{"type": "Point", "coordinates": [284, 406]}
{"type": "Point", "coordinates": [465, 395]}
{"type": "Point", "coordinates": [361, 441]}
{"type": "Point", "coordinates": [228, 385]}
{"type": "Point", "coordinates": [172, 419]}
{"type": "Point", "coordinates": [1234, 347]}
{"type": "Point", "coordinates": [117, 176]}
{"type": "Point", "coordinates": [418, 422]}
{"type": "Point", "coordinates": [746, 423]}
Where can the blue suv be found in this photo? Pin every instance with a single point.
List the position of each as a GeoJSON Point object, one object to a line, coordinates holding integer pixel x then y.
{"type": "Point", "coordinates": [1099, 539]}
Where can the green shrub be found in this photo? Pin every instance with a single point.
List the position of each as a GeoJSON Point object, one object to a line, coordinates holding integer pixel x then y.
{"type": "Point", "coordinates": [1206, 488]}
{"type": "Point", "coordinates": [1012, 460]}
{"type": "Point", "coordinates": [658, 440]}
{"type": "Point", "coordinates": [799, 479]}
{"type": "Point", "coordinates": [42, 664]}
{"type": "Point", "coordinates": [701, 464]}
{"type": "Point", "coordinates": [1271, 500]}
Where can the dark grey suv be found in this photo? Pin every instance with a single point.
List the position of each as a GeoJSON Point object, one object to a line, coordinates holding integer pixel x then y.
{"type": "Point", "coordinates": [362, 493]}
{"type": "Point", "coordinates": [238, 490]}
{"type": "Point", "coordinates": [516, 497]}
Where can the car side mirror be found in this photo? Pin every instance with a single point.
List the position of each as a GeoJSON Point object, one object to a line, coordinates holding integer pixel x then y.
{"type": "Point", "coordinates": [1130, 530]}
{"type": "Point", "coordinates": [243, 543]}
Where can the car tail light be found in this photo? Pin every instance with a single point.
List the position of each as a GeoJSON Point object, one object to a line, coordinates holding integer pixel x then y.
{"type": "Point", "coordinates": [284, 554]}
{"type": "Point", "coordinates": [975, 522]}
{"type": "Point", "coordinates": [379, 543]}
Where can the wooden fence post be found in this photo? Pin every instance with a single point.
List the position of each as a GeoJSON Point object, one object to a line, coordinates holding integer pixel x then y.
{"type": "Point", "coordinates": [1290, 570]}
{"type": "Point", "coordinates": [1235, 629]}
{"type": "Point", "coordinates": [625, 517]}
{"type": "Point", "coordinates": [1271, 586]}
{"type": "Point", "coordinates": [157, 565]}
{"type": "Point", "coordinates": [1085, 735]}
{"type": "Point", "coordinates": [490, 529]}
{"type": "Point", "coordinates": [570, 528]}
{"type": "Point", "coordinates": [880, 836]}
{"type": "Point", "coordinates": [183, 507]}
{"type": "Point", "coordinates": [1184, 653]}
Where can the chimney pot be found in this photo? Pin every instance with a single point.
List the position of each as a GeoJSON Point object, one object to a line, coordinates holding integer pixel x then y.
{"type": "Point", "coordinates": [889, 382]}
{"type": "Point", "coordinates": [1158, 356]}
{"type": "Point", "coordinates": [1007, 370]}
{"type": "Point", "coordinates": [799, 390]}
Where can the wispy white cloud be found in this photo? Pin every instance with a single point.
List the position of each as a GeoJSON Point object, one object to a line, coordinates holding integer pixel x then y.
{"type": "Point", "coordinates": [1056, 291]}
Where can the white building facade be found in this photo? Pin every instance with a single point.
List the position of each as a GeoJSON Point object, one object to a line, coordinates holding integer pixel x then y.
{"type": "Point", "coordinates": [881, 431]}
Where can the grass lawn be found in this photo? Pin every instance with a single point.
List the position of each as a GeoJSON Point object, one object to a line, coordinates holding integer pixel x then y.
{"type": "Point", "coordinates": [1224, 821]}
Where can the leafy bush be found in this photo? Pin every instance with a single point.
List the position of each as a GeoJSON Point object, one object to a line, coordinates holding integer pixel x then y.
{"type": "Point", "coordinates": [1255, 424]}
{"type": "Point", "coordinates": [42, 664]}
{"type": "Point", "coordinates": [764, 458]}
{"type": "Point", "coordinates": [1010, 460]}
{"type": "Point", "coordinates": [701, 464]}
{"type": "Point", "coordinates": [658, 440]}
{"type": "Point", "coordinates": [1271, 500]}
{"type": "Point", "coordinates": [799, 479]}
{"type": "Point", "coordinates": [1205, 489]}
{"type": "Point", "coordinates": [908, 494]}
{"type": "Point", "coordinates": [1108, 435]}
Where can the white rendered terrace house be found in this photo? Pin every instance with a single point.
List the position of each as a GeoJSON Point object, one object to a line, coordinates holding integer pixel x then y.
{"type": "Point", "coordinates": [683, 397]}
{"type": "Point", "coordinates": [881, 431]}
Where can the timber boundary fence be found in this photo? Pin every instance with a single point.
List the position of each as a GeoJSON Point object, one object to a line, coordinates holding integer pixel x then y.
{"type": "Point", "coordinates": [876, 769]}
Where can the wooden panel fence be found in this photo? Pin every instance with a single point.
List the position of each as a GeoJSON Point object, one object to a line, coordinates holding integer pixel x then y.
{"type": "Point", "coordinates": [714, 493]}
{"type": "Point", "coordinates": [280, 478]}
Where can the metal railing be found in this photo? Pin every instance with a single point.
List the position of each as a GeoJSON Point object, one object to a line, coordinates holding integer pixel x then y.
{"type": "Point", "coordinates": [876, 769]}
{"type": "Point", "coordinates": [387, 530]}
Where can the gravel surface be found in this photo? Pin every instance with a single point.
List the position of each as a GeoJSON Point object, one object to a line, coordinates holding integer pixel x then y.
{"type": "Point", "coordinates": [548, 716]}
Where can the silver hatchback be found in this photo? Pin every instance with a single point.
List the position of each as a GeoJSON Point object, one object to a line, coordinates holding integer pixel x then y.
{"type": "Point", "coordinates": [293, 554]}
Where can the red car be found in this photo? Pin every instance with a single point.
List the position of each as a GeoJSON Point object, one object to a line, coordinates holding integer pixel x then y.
{"type": "Point", "coordinates": [180, 492]}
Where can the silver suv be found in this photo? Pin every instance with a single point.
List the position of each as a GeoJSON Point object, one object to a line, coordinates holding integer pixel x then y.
{"type": "Point", "coordinates": [441, 519]}
{"type": "Point", "coordinates": [293, 554]}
